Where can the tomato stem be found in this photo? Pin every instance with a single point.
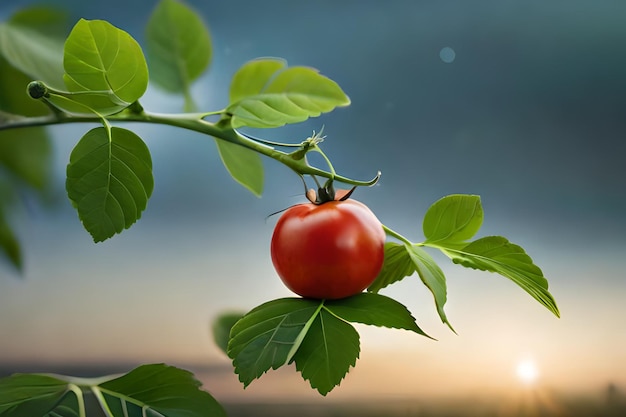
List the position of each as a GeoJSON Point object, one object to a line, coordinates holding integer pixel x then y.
{"type": "Point", "coordinates": [393, 233]}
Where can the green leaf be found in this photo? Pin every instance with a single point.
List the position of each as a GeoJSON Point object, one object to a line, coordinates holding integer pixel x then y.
{"type": "Point", "coordinates": [103, 103]}
{"type": "Point", "coordinates": [252, 78]}
{"type": "Point", "coordinates": [497, 254]}
{"type": "Point", "coordinates": [32, 41]}
{"type": "Point", "coordinates": [432, 276]}
{"type": "Point", "coordinates": [264, 93]}
{"type": "Point", "coordinates": [9, 244]}
{"type": "Point", "coordinates": [30, 394]}
{"type": "Point", "coordinates": [178, 47]}
{"type": "Point", "coordinates": [331, 346]}
{"type": "Point", "coordinates": [244, 165]}
{"type": "Point", "coordinates": [402, 260]}
{"type": "Point", "coordinates": [14, 98]}
{"type": "Point", "coordinates": [27, 153]}
{"type": "Point", "coordinates": [267, 337]}
{"type": "Point", "coordinates": [454, 218]}
{"type": "Point", "coordinates": [67, 408]}
{"type": "Point", "coordinates": [162, 389]}
{"type": "Point", "coordinates": [396, 266]}
{"type": "Point", "coordinates": [221, 328]}
{"type": "Point", "coordinates": [109, 180]}
{"type": "Point", "coordinates": [375, 310]}
{"type": "Point", "coordinates": [148, 390]}
{"type": "Point", "coordinates": [100, 58]}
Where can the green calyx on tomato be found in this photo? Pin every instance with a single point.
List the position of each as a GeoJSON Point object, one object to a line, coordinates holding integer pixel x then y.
{"type": "Point", "coordinates": [330, 250]}
{"type": "Point", "coordinates": [327, 193]}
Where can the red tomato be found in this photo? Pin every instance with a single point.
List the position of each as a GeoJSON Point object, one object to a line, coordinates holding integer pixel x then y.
{"type": "Point", "coordinates": [328, 251]}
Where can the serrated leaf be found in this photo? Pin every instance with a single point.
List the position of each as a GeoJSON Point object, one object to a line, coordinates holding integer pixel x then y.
{"type": "Point", "coordinates": [454, 218]}
{"type": "Point", "coordinates": [327, 352]}
{"type": "Point", "coordinates": [244, 165]}
{"type": "Point", "coordinates": [221, 328]}
{"type": "Point", "coordinates": [264, 93]}
{"type": "Point", "coordinates": [30, 394]}
{"type": "Point", "coordinates": [396, 266]}
{"type": "Point", "coordinates": [109, 180]}
{"type": "Point", "coordinates": [432, 276]}
{"type": "Point", "coordinates": [375, 310]}
{"type": "Point", "coordinates": [178, 47]}
{"type": "Point", "coordinates": [162, 389]}
{"type": "Point", "coordinates": [9, 245]}
{"type": "Point", "coordinates": [497, 254]}
{"type": "Point", "coordinates": [252, 78]}
{"type": "Point", "coordinates": [315, 334]}
{"type": "Point", "coordinates": [100, 58]}
{"type": "Point", "coordinates": [268, 335]}
{"type": "Point", "coordinates": [32, 41]}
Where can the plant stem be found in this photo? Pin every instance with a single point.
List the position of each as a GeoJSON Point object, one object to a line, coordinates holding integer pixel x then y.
{"type": "Point", "coordinates": [102, 402]}
{"type": "Point", "coordinates": [190, 121]}
{"type": "Point", "coordinates": [397, 235]}
{"type": "Point", "coordinates": [80, 400]}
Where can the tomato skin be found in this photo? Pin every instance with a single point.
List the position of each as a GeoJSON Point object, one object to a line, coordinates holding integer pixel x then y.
{"type": "Point", "coordinates": [328, 251]}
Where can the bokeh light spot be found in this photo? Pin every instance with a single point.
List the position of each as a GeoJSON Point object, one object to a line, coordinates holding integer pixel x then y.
{"type": "Point", "coordinates": [447, 55]}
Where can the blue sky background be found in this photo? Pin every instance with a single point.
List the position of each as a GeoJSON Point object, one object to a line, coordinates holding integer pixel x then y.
{"type": "Point", "coordinates": [530, 115]}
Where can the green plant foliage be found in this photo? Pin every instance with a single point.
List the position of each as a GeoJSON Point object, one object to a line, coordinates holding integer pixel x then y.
{"type": "Point", "coordinates": [396, 266]}
{"type": "Point", "coordinates": [162, 390]}
{"type": "Point", "coordinates": [9, 244]}
{"type": "Point", "coordinates": [68, 407]}
{"type": "Point", "coordinates": [25, 153]}
{"type": "Point", "coordinates": [14, 99]}
{"type": "Point", "coordinates": [268, 336]}
{"type": "Point", "coordinates": [244, 165]}
{"type": "Point", "coordinates": [101, 103]}
{"type": "Point", "coordinates": [148, 390]}
{"type": "Point", "coordinates": [102, 59]}
{"type": "Point", "coordinates": [315, 334]}
{"type": "Point", "coordinates": [265, 93]}
{"type": "Point", "coordinates": [178, 46]}
{"type": "Point", "coordinates": [327, 352]}
{"type": "Point", "coordinates": [497, 254]}
{"type": "Point", "coordinates": [454, 218]}
{"type": "Point", "coordinates": [447, 224]}
{"type": "Point", "coordinates": [374, 310]}
{"type": "Point", "coordinates": [32, 41]}
{"type": "Point", "coordinates": [403, 260]}
{"type": "Point", "coordinates": [109, 180]}
{"type": "Point", "coordinates": [221, 328]}
{"type": "Point", "coordinates": [432, 276]}
{"type": "Point", "coordinates": [30, 395]}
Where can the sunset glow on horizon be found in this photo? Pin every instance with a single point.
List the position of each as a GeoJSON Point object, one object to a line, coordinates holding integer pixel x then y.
{"type": "Point", "coordinates": [527, 371]}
